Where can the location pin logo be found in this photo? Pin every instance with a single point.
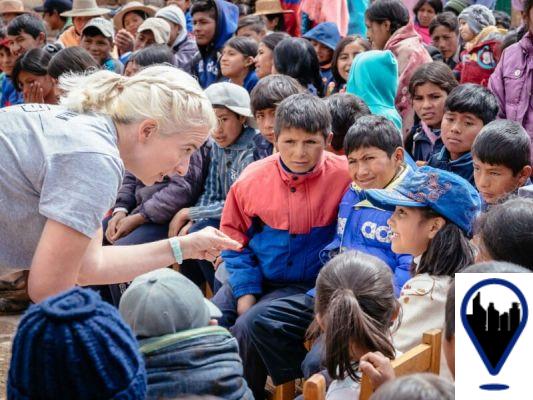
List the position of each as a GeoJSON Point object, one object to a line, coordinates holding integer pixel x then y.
{"type": "Point", "coordinates": [493, 331]}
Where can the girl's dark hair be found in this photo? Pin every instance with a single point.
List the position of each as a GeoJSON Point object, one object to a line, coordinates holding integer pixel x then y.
{"type": "Point", "coordinates": [34, 61]}
{"type": "Point", "coordinates": [280, 26]}
{"type": "Point", "coordinates": [446, 19]}
{"type": "Point", "coordinates": [154, 54]}
{"type": "Point", "coordinates": [345, 110]}
{"type": "Point", "coordinates": [356, 303]}
{"type": "Point", "coordinates": [506, 232]}
{"type": "Point", "coordinates": [296, 57]}
{"type": "Point", "coordinates": [272, 39]}
{"type": "Point", "coordinates": [244, 45]}
{"type": "Point", "coordinates": [528, 4]}
{"type": "Point", "coordinates": [435, 72]}
{"type": "Point", "coordinates": [435, 4]}
{"type": "Point", "coordinates": [340, 48]}
{"type": "Point", "coordinates": [393, 11]}
{"type": "Point", "coordinates": [71, 60]}
{"type": "Point", "coordinates": [447, 253]}
{"type": "Point", "coordinates": [424, 386]}
{"type": "Point", "coordinates": [502, 18]}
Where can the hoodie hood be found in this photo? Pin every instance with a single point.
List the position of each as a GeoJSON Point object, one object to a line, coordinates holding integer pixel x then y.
{"type": "Point", "coordinates": [374, 78]}
{"type": "Point", "coordinates": [325, 33]}
{"type": "Point", "coordinates": [174, 14]}
{"type": "Point", "coordinates": [227, 20]}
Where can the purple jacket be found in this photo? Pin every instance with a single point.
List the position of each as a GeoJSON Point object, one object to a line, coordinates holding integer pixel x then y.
{"type": "Point", "coordinates": [160, 202]}
{"type": "Point", "coordinates": [512, 83]}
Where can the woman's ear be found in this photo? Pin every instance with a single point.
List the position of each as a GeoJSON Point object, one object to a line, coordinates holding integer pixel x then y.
{"type": "Point", "coordinates": [147, 130]}
{"type": "Point", "coordinates": [436, 225]}
{"type": "Point", "coordinates": [386, 25]}
{"type": "Point", "coordinates": [248, 61]}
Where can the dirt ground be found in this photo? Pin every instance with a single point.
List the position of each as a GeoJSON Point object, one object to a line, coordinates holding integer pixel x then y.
{"type": "Point", "coordinates": [8, 326]}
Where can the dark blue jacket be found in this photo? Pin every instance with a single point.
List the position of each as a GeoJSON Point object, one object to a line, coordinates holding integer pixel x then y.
{"type": "Point", "coordinates": [363, 227]}
{"type": "Point", "coordinates": [203, 361]}
{"type": "Point", "coordinates": [419, 145]}
{"type": "Point", "coordinates": [206, 66]}
{"type": "Point", "coordinates": [463, 166]}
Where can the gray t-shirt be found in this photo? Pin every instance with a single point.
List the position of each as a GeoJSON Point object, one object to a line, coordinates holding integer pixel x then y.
{"type": "Point", "coordinates": [54, 164]}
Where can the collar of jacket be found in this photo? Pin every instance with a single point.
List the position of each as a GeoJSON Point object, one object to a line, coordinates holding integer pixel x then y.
{"type": "Point", "coordinates": [151, 345]}
{"type": "Point", "coordinates": [392, 184]}
{"type": "Point", "coordinates": [295, 179]}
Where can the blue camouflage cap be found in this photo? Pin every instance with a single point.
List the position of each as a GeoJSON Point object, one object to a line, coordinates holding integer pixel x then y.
{"type": "Point", "coordinates": [446, 193]}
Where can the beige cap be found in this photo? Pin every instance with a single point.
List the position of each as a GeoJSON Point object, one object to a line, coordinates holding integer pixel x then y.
{"type": "Point", "coordinates": [159, 27]}
{"type": "Point", "coordinates": [266, 7]}
{"type": "Point", "coordinates": [85, 8]}
{"type": "Point", "coordinates": [118, 19]}
{"type": "Point", "coordinates": [103, 25]}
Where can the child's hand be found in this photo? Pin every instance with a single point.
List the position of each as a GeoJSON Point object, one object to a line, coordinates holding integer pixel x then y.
{"type": "Point", "coordinates": [421, 163]}
{"type": "Point", "coordinates": [244, 303]}
{"type": "Point", "coordinates": [33, 93]}
{"type": "Point", "coordinates": [124, 41]}
{"type": "Point", "coordinates": [178, 222]}
{"type": "Point", "coordinates": [377, 367]}
{"type": "Point", "coordinates": [112, 225]}
{"type": "Point", "coordinates": [127, 225]}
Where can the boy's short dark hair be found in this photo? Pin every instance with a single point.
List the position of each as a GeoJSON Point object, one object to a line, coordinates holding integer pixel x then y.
{"type": "Point", "coordinates": [272, 90]}
{"type": "Point", "coordinates": [446, 19]}
{"type": "Point", "coordinates": [373, 131]}
{"type": "Point", "coordinates": [28, 23]}
{"type": "Point", "coordinates": [303, 111]}
{"type": "Point", "coordinates": [503, 142]}
{"type": "Point", "coordinates": [505, 232]}
{"type": "Point", "coordinates": [207, 6]}
{"type": "Point", "coordinates": [473, 99]}
{"type": "Point", "coordinates": [345, 109]}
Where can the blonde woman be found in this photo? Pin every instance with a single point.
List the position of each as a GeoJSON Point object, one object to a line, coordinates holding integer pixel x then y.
{"type": "Point", "coordinates": [63, 165]}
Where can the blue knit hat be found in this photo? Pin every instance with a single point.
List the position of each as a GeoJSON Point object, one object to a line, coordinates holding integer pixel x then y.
{"type": "Point", "coordinates": [75, 346]}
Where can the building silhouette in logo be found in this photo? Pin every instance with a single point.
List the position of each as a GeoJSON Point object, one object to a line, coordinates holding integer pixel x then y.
{"type": "Point", "coordinates": [494, 330]}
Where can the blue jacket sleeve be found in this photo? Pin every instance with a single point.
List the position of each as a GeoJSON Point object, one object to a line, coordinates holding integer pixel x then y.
{"type": "Point", "coordinates": [245, 276]}
{"type": "Point", "coordinates": [402, 271]}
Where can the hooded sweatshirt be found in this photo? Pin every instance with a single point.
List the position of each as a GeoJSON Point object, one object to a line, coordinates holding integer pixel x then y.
{"type": "Point", "coordinates": [206, 65]}
{"type": "Point", "coordinates": [374, 78]}
{"type": "Point", "coordinates": [327, 34]}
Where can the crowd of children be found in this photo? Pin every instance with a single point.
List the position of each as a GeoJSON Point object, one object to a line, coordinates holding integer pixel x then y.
{"type": "Point", "coordinates": [361, 158]}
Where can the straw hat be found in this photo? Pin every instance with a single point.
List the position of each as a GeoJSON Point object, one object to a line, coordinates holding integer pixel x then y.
{"type": "Point", "coordinates": [118, 19]}
{"type": "Point", "coordinates": [266, 7]}
{"type": "Point", "coordinates": [85, 8]}
{"type": "Point", "coordinates": [12, 7]}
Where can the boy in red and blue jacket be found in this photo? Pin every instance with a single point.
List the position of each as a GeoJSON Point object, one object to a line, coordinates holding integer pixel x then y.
{"type": "Point", "coordinates": [283, 210]}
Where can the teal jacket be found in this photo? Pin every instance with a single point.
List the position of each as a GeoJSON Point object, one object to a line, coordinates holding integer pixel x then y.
{"type": "Point", "coordinates": [374, 78]}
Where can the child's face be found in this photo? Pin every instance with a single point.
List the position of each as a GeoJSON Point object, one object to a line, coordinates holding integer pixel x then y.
{"type": "Point", "coordinates": [234, 64]}
{"type": "Point", "coordinates": [411, 231]}
{"type": "Point", "coordinates": [26, 79]}
{"type": "Point", "coordinates": [131, 68]}
{"type": "Point", "coordinates": [229, 127]}
{"type": "Point", "coordinates": [80, 22]}
{"type": "Point", "coordinates": [204, 28]}
{"type": "Point", "coordinates": [372, 168]}
{"type": "Point", "coordinates": [458, 131]}
{"type": "Point", "coordinates": [132, 21]}
{"type": "Point", "coordinates": [378, 33]}
{"type": "Point", "coordinates": [7, 61]}
{"type": "Point", "coordinates": [265, 122]}
{"type": "Point", "coordinates": [144, 39]}
{"type": "Point", "coordinates": [263, 61]}
{"type": "Point", "coordinates": [300, 150]}
{"type": "Point", "coordinates": [21, 43]}
{"type": "Point", "coordinates": [245, 31]}
{"type": "Point", "coordinates": [425, 15]}
{"type": "Point", "coordinates": [496, 181]}
{"type": "Point", "coordinates": [445, 40]}
{"type": "Point", "coordinates": [428, 103]}
{"type": "Point", "coordinates": [98, 46]}
{"type": "Point", "coordinates": [465, 31]}
{"type": "Point", "coordinates": [325, 54]}
{"type": "Point", "coordinates": [346, 57]}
